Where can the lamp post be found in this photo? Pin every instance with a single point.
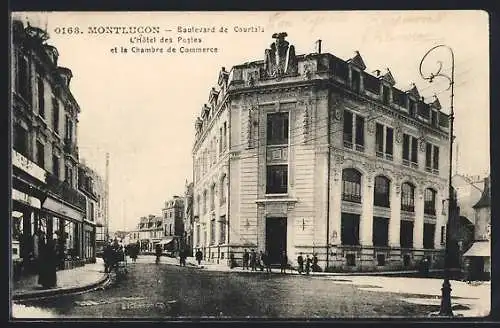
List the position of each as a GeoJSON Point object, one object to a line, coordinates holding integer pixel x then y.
{"type": "Point", "coordinates": [445, 308]}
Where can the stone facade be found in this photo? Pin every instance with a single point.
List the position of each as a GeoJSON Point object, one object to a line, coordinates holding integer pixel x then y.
{"type": "Point", "coordinates": [45, 197]}
{"type": "Point", "coordinates": [289, 152]}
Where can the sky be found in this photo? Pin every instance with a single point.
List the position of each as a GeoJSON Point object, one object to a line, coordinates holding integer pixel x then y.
{"type": "Point", "coordinates": [141, 107]}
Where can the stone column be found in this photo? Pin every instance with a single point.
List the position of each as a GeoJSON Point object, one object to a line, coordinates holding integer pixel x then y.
{"type": "Point", "coordinates": [418, 229]}
{"type": "Point", "coordinates": [366, 222]}
{"type": "Point", "coordinates": [395, 221]}
{"type": "Point", "coordinates": [335, 209]}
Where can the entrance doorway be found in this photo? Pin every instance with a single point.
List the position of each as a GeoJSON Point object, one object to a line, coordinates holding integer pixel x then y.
{"type": "Point", "coordinates": [275, 238]}
{"type": "Point", "coordinates": [477, 267]}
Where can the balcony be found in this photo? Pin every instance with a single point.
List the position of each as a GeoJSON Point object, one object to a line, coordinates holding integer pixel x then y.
{"type": "Point", "coordinates": [407, 208]}
{"type": "Point", "coordinates": [66, 192]}
{"type": "Point", "coordinates": [23, 163]}
{"type": "Point", "coordinates": [70, 147]}
{"type": "Point", "coordinates": [430, 210]}
{"type": "Point", "coordinates": [351, 198]}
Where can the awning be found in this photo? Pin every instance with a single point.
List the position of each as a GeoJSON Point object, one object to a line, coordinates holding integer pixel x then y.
{"type": "Point", "coordinates": [165, 241]}
{"type": "Point", "coordinates": [479, 249]}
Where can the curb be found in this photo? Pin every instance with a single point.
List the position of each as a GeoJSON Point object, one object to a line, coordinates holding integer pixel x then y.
{"type": "Point", "coordinates": [60, 291]}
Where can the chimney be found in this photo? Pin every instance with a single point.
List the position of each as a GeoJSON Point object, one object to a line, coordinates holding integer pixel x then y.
{"type": "Point", "coordinates": [318, 44]}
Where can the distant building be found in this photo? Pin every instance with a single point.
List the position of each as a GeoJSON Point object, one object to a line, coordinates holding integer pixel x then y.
{"type": "Point", "coordinates": [314, 154]}
{"type": "Point", "coordinates": [188, 217]}
{"type": "Point", "coordinates": [150, 232]}
{"type": "Point", "coordinates": [173, 221]}
{"type": "Point", "coordinates": [478, 256]}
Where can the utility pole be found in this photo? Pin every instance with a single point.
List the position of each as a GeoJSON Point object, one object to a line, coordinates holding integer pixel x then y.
{"type": "Point", "coordinates": [106, 211]}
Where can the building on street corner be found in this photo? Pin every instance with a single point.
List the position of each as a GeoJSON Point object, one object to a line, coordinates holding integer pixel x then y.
{"type": "Point", "coordinates": [173, 222]}
{"type": "Point", "coordinates": [46, 202]}
{"type": "Point", "coordinates": [188, 217]}
{"type": "Point", "coordinates": [315, 154]}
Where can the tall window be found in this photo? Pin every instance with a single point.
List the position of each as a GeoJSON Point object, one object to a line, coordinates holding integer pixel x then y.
{"type": "Point", "coordinates": [354, 131]}
{"type": "Point", "coordinates": [410, 150]}
{"type": "Point", "coordinates": [222, 190]}
{"type": "Point", "coordinates": [23, 78]}
{"type": "Point", "coordinates": [351, 185]}
{"type": "Point", "coordinates": [381, 191]}
{"type": "Point", "coordinates": [277, 179]}
{"type": "Point", "coordinates": [412, 107]}
{"type": "Point", "coordinates": [431, 158]}
{"type": "Point", "coordinates": [198, 235]}
{"type": "Point", "coordinates": [384, 141]}
{"type": "Point", "coordinates": [349, 231]}
{"type": "Point", "coordinates": [204, 202]}
{"type": "Point", "coordinates": [221, 136]}
{"type": "Point", "coordinates": [222, 229]}
{"type": "Point", "coordinates": [348, 133]}
{"type": "Point", "coordinates": [40, 154]}
{"type": "Point", "coordinates": [55, 115]}
{"type": "Point", "coordinates": [225, 135]}
{"type": "Point", "coordinates": [212, 231]}
{"type": "Point", "coordinates": [355, 81]}
{"type": "Point", "coordinates": [429, 231]}
{"type": "Point", "coordinates": [406, 234]}
{"type": "Point", "coordinates": [212, 197]}
{"type": "Point", "coordinates": [69, 129]}
{"type": "Point", "coordinates": [41, 97]}
{"type": "Point", "coordinates": [434, 118]}
{"type": "Point", "coordinates": [20, 140]}
{"type": "Point", "coordinates": [380, 236]}
{"type": "Point", "coordinates": [277, 128]}
{"type": "Point", "coordinates": [198, 205]}
{"type": "Point", "coordinates": [55, 165]}
{"type": "Point", "coordinates": [379, 140]}
{"type": "Point", "coordinates": [407, 197]}
{"type": "Point", "coordinates": [430, 201]}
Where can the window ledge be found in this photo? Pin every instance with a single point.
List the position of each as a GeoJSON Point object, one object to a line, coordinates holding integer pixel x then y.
{"type": "Point", "coordinates": [276, 200]}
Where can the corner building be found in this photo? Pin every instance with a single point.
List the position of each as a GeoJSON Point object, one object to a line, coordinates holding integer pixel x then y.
{"type": "Point", "coordinates": [313, 154]}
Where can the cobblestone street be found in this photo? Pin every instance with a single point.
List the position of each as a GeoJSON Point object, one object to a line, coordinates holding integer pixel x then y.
{"type": "Point", "coordinates": [165, 290]}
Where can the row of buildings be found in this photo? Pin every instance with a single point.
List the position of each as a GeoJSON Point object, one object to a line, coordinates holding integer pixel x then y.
{"type": "Point", "coordinates": [54, 194]}
{"type": "Point", "coordinates": [166, 229]}
{"type": "Point", "coordinates": [314, 154]}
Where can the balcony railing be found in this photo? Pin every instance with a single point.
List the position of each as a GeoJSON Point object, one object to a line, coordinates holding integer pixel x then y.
{"type": "Point", "coordinates": [360, 148]}
{"type": "Point", "coordinates": [351, 198]}
{"type": "Point", "coordinates": [407, 208]}
{"type": "Point", "coordinates": [66, 192]}
{"type": "Point", "coordinates": [430, 211]}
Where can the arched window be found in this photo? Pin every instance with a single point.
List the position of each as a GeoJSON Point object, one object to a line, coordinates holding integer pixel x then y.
{"type": "Point", "coordinates": [212, 197]}
{"type": "Point", "coordinates": [351, 185]}
{"type": "Point", "coordinates": [408, 197]}
{"type": "Point", "coordinates": [430, 201]}
{"type": "Point", "coordinates": [382, 191]}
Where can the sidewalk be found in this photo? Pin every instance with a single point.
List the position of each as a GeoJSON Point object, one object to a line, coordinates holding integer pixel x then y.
{"type": "Point", "coordinates": [68, 281]}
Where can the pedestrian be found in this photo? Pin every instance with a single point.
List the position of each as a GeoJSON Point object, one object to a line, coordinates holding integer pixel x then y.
{"type": "Point", "coordinates": [158, 252]}
{"type": "Point", "coordinates": [300, 262]}
{"type": "Point", "coordinates": [308, 264]}
{"type": "Point", "coordinates": [199, 256]}
{"type": "Point", "coordinates": [267, 262]}
{"type": "Point", "coordinates": [106, 256]}
{"type": "Point", "coordinates": [261, 261]}
{"type": "Point", "coordinates": [50, 263]}
{"type": "Point", "coordinates": [232, 262]}
{"type": "Point", "coordinates": [253, 260]}
{"type": "Point", "coordinates": [41, 268]}
{"type": "Point", "coordinates": [245, 259]}
{"type": "Point", "coordinates": [283, 262]}
{"type": "Point", "coordinates": [315, 266]}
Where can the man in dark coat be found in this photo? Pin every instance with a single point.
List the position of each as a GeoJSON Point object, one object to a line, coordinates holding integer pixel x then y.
{"type": "Point", "coordinates": [49, 272]}
{"type": "Point", "coordinates": [267, 262]}
{"type": "Point", "coordinates": [308, 264]}
{"type": "Point", "coordinates": [106, 256]}
{"type": "Point", "coordinates": [283, 262]}
{"type": "Point", "coordinates": [199, 256]}
{"type": "Point", "coordinates": [300, 262]}
{"type": "Point", "coordinates": [246, 258]}
{"type": "Point", "coordinates": [261, 261]}
{"type": "Point", "coordinates": [253, 260]}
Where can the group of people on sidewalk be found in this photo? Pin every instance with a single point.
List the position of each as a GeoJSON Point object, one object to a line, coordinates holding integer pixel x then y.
{"type": "Point", "coordinates": [113, 253]}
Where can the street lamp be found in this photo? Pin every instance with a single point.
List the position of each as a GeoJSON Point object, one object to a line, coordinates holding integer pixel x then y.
{"type": "Point", "coordinates": [445, 308]}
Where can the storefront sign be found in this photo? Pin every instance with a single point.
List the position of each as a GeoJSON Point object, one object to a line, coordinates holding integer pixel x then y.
{"type": "Point", "coordinates": [26, 199]}
{"type": "Point", "coordinates": [28, 166]}
{"type": "Point", "coordinates": [60, 208]}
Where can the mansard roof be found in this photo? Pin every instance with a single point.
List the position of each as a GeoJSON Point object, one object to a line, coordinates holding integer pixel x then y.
{"type": "Point", "coordinates": [357, 60]}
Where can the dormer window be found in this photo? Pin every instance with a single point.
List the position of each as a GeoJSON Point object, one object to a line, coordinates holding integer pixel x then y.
{"type": "Point", "coordinates": [372, 84]}
{"type": "Point", "coordinates": [412, 107]}
{"type": "Point", "coordinates": [386, 94]}
{"type": "Point", "coordinates": [355, 80]}
{"type": "Point", "coordinates": [399, 97]}
{"type": "Point", "coordinates": [434, 118]}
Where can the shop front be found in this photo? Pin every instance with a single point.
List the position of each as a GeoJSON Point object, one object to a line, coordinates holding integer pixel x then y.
{"type": "Point", "coordinates": [89, 242]}
{"type": "Point", "coordinates": [64, 224]}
